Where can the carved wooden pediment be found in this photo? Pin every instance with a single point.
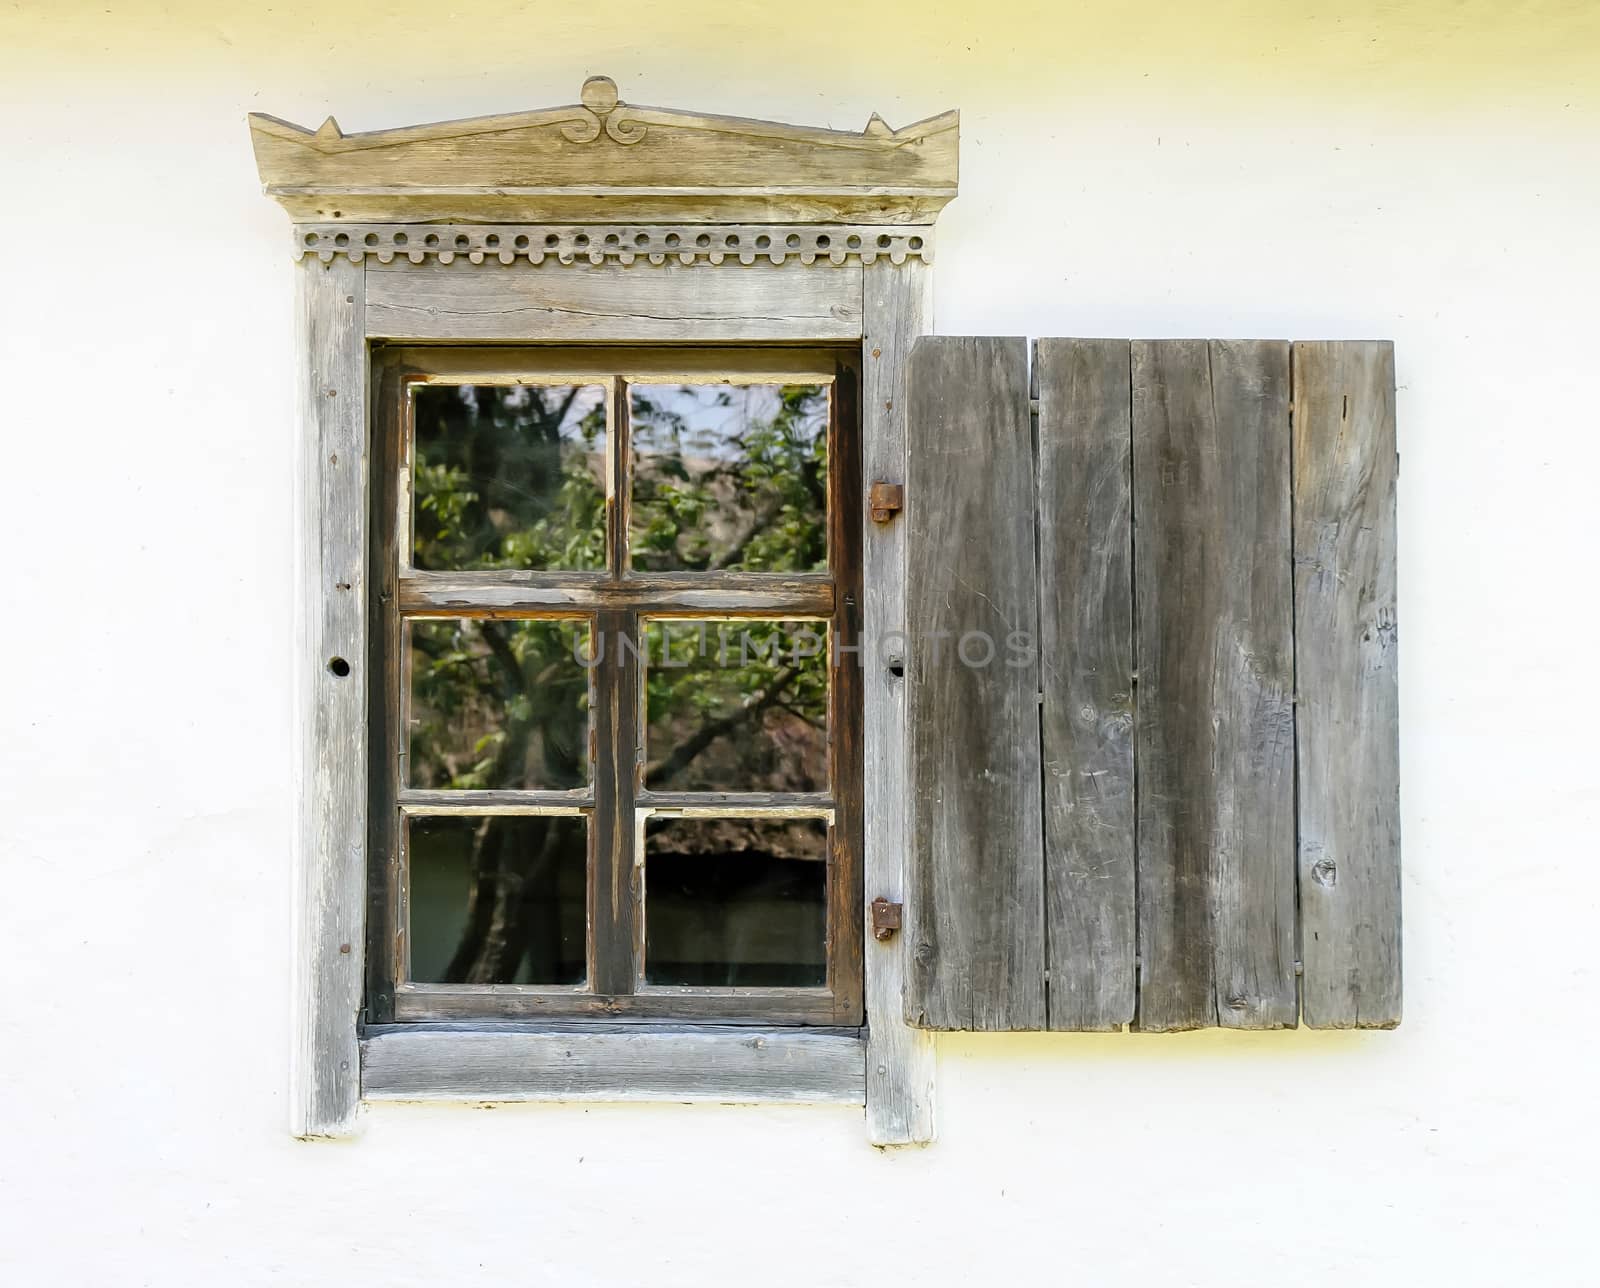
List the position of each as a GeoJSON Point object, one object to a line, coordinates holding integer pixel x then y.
{"type": "Point", "coordinates": [602, 160]}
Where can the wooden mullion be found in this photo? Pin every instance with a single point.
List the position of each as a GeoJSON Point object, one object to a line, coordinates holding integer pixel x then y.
{"type": "Point", "coordinates": [619, 477]}
{"type": "Point", "coordinates": [613, 884]}
{"type": "Point", "coordinates": [753, 1006]}
{"type": "Point", "coordinates": [740, 804]}
{"type": "Point", "coordinates": [445, 801]}
{"type": "Point", "coordinates": [567, 595]}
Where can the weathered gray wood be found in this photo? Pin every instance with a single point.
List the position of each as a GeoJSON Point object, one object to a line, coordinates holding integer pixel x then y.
{"type": "Point", "coordinates": [1086, 673]}
{"type": "Point", "coordinates": [1346, 672]}
{"type": "Point", "coordinates": [331, 708]}
{"type": "Point", "coordinates": [1213, 647]}
{"type": "Point", "coordinates": [647, 1063]}
{"type": "Point", "coordinates": [755, 1007]}
{"type": "Point", "coordinates": [612, 160]}
{"type": "Point", "coordinates": [476, 594]}
{"type": "Point", "coordinates": [975, 917]}
{"type": "Point", "coordinates": [609, 303]}
{"type": "Point", "coordinates": [897, 307]}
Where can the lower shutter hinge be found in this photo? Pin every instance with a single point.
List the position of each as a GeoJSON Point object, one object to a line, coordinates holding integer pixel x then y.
{"type": "Point", "coordinates": [885, 919]}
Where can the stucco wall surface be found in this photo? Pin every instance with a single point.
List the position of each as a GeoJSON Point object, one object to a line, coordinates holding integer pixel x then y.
{"type": "Point", "coordinates": [1425, 172]}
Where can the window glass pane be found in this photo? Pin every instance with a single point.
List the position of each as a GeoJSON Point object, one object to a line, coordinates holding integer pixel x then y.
{"type": "Point", "coordinates": [736, 706]}
{"type": "Point", "coordinates": [498, 704]}
{"type": "Point", "coordinates": [509, 477]}
{"type": "Point", "coordinates": [497, 900]}
{"type": "Point", "coordinates": [736, 902]}
{"type": "Point", "coordinates": [729, 477]}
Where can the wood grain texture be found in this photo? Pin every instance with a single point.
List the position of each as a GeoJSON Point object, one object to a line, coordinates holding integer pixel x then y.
{"type": "Point", "coordinates": [617, 160]}
{"type": "Point", "coordinates": [331, 708]}
{"type": "Point", "coordinates": [615, 876]}
{"type": "Point", "coordinates": [975, 917]}
{"type": "Point", "coordinates": [1346, 670]}
{"type": "Point", "coordinates": [388, 692]}
{"type": "Point", "coordinates": [1213, 647]}
{"type": "Point", "coordinates": [1086, 675]}
{"type": "Point", "coordinates": [473, 594]}
{"type": "Point", "coordinates": [536, 244]}
{"type": "Point", "coordinates": [615, 1063]}
{"type": "Point", "coordinates": [846, 752]}
{"type": "Point", "coordinates": [897, 308]}
{"type": "Point", "coordinates": [609, 303]}
{"type": "Point", "coordinates": [757, 1007]}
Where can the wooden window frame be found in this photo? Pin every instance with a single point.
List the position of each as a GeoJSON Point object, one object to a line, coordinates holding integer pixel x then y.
{"type": "Point", "coordinates": [554, 227]}
{"type": "Point", "coordinates": [615, 602]}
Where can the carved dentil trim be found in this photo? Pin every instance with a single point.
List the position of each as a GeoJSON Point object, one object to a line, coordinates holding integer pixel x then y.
{"type": "Point", "coordinates": [615, 243]}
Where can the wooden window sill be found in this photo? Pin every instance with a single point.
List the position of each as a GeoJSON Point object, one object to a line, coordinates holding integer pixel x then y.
{"type": "Point", "coordinates": [621, 1062]}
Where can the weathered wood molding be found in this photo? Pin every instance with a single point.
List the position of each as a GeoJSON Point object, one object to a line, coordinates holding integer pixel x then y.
{"type": "Point", "coordinates": [897, 308]}
{"type": "Point", "coordinates": [638, 163]}
{"type": "Point", "coordinates": [609, 1062]}
{"type": "Point", "coordinates": [697, 304]}
{"type": "Point", "coordinates": [330, 702]}
{"type": "Point", "coordinates": [639, 222]}
{"type": "Point", "coordinates": [536, 244]}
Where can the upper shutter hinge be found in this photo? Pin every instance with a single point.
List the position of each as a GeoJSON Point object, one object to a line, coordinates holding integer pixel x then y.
{"type": "Point", "coordinates": [885, 500]}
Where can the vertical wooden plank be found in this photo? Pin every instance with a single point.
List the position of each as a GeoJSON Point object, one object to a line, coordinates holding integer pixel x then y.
{"type": "Point", "coordinates": [1213, 648]}
{"type": "Point", "coordinates": [975, 919]}
{"type": "Point", "coordinates": [331, 724]}
{"type": "Point", "coordinates": [1086, 675]}
{"type": "Point", "coordinates": [1346, 673]}
{"type": "Point", "coordinates": [897, 308]}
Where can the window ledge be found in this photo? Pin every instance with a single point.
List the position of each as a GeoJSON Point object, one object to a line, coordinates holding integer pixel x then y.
{"type": "Point", "coordinates": [722, 1063]}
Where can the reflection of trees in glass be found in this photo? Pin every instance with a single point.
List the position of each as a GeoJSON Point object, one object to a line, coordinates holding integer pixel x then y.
{"type": "Point", "coordinates": [498, 705]}
{"type": "Point", "coordinates": [509, 477]}
{"type": "Point", "coordinates": [729, 477]}
{"type": "Point", "coordinates": [737, 706]}
{"type": "Point", "coordinates": [513, 477]}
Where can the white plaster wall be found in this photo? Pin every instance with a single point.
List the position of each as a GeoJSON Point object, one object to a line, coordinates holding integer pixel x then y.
{"type": "Point", "coordinates": [1426, 172]}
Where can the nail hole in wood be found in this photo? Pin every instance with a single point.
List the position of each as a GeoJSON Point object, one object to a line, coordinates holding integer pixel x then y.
{"type": "Point", "coordinates": [339, 666]}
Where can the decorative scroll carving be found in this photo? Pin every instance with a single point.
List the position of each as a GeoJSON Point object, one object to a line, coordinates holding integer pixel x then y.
{"type": "Point", "coordinates": [599, 106]}
{"type": "Point", "coordinates": [618, 243]}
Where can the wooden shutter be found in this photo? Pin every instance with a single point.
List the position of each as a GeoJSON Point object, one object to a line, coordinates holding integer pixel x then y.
{"type": "Point", "coordinates": [1215, 838]}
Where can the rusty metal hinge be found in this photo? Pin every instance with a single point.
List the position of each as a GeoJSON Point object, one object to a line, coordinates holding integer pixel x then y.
{"type": "Point", "coordinates": [885, 500]}
{"type": "Point", "coordinates": [885, 919]}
